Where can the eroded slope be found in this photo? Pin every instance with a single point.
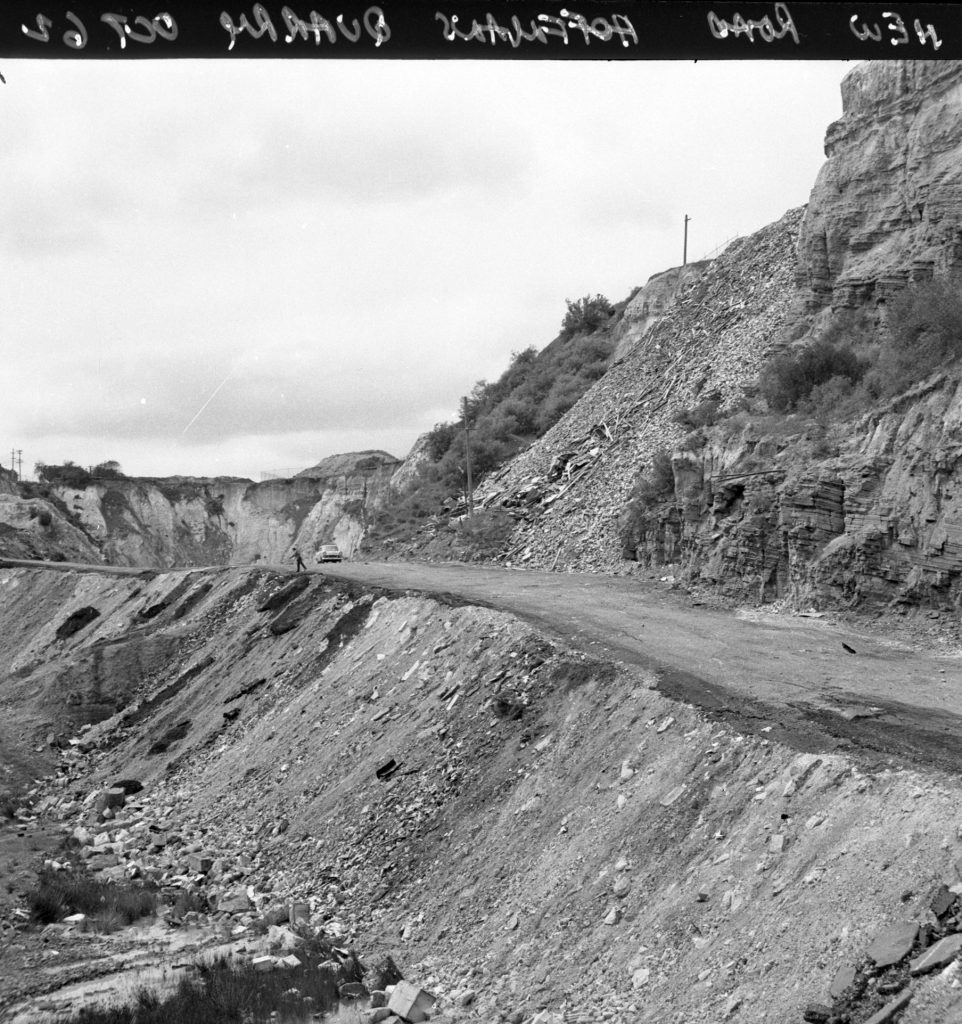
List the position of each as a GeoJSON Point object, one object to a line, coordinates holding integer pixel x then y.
{"type": "Point", "coordinates": [553, 831]}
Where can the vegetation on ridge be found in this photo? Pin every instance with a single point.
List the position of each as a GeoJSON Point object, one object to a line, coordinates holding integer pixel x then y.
{"type": "Point", "coordinates": [505, 416]}
{"type": "Point", "coordinates": [68, 474]}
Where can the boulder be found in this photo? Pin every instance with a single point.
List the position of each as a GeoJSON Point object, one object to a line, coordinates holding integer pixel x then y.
{"type": "Point", "coordinates": [893, 944]}
{"type": "Point", "coordinates": [410, 1002]}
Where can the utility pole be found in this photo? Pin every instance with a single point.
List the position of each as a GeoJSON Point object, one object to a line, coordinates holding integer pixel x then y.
{"type": "Point", "coordinates": [467, 456]}
{"type": "Point", "coordinates": [685, 252]}
{"type": "Point", "coordinates": [19, 464]}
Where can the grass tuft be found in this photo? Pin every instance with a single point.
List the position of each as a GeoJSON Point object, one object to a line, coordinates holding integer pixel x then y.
{"type": "Point", "coordinates": [112, 905]}
{"type": "Point", "coordinates": [231, 992]}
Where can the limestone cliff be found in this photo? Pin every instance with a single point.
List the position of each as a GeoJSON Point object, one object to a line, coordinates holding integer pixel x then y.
{"type": "Point", "coordinates": [179, 521]}
{"type": "Point", "coordinates": [885, 208]}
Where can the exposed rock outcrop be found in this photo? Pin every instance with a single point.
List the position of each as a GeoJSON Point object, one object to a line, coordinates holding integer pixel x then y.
{"type": "Point", "coordinates": [35, 528]}
{"type": "Point", "coordinates": [650, 302]}
{"type": "Point", "coordinates": [856, 514]}
{"type": "Point", "coordinates": [886, 205]}
{"type": "Point", "coordinates": [186, 521]}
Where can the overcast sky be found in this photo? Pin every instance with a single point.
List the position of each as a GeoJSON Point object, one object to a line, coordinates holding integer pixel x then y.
{"type": "Point", "coordinates": [216, 267]}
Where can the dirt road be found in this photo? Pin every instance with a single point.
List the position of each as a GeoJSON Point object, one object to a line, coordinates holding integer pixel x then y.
{"type": "Point", "coordinates": [805, 682]}
{"type": "Point", "coordinates": [811, 684]}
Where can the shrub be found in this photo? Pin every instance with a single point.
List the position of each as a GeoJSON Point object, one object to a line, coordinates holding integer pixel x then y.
{"type": "Point", "coordinates": [789, 378]}
{"type": "Point", "coordinates": [705, 414]}
{"type": "Point", "coordinates": [586, 315]}
{"type": "Point", "coordinates": [109, 470]}
{"type": "Point", "coordinates": [214, 505]}
{"type": "Point", "coordinates": [229, 991]}
{"type": "Point", "coordinates": [834, 400]}
{"type": "Point", "coordinates": [924, 333]}
{"type": "Point", "coordinates": [65, 475]}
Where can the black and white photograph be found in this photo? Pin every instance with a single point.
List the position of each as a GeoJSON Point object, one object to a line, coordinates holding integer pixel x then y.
{"type": "Point", "coordinates": [479, 529]}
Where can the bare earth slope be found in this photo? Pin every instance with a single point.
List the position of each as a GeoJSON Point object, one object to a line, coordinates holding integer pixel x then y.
{"type": "Point", "coordinates": [562, 832]}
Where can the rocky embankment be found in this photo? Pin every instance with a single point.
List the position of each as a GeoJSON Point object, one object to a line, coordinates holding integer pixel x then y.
{"type": "Point", "coordinates": [856, 514]}
{"type": "Point", "coordinates": [649, 303]}
{"type": "Point", "coordinates": [530, 834]}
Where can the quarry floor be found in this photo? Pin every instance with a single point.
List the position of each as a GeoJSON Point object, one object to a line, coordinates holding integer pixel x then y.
{"type": "Point", "coordinates": [612, 805]}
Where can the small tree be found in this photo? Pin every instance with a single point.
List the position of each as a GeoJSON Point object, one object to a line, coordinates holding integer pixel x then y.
{"type": "Point", "coordinates": [66, 475]}
{"type": "Point", "coordinates": [109, 470]}
{"type": "Point", "coordinates": [586, 315]}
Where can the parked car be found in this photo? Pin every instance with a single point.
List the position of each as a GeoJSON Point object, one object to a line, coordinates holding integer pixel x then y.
{"type": "Point", "coordinates": [329, 553]}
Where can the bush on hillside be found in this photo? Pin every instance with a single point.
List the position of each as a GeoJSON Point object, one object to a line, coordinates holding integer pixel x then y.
{"type": "Point", "coordinates": [228, 990]}
{"type": "Point", "coordinates": [59, 893]}
{"type": "Point", "coordinates": [705, 414]}
{"type": "Point", "coordinates": [586, 315]}
{"type": "Point", "coordinates": [924, 333]}
{"type": "Point", "coordinates": [65, 475]}
{"type": "Point", "coordinates": [506, 415]}
{"type": "Point", "coordinates": [789, 378]}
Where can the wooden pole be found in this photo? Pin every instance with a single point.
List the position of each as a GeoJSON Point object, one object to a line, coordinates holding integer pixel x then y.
{"type": "Point", "coordinates": [467, 457]}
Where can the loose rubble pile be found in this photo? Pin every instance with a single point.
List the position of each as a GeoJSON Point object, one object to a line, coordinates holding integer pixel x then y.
{"type": "Point", "coordinates": [881, 984]}
{"type": "Point", "coordinates": [711, 341]}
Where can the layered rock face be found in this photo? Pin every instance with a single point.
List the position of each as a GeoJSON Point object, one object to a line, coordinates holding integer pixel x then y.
{"type": "Point", "coordinates": [866, 515]}
{"type": "Point", "coordinates": [192, 521]}
{"type": "Point", "coordinates": [874, 522]}
{"type": "Point", "coordinates": [886, 205]}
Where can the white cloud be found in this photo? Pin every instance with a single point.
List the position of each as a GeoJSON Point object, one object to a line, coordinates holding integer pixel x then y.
{"type": "Point", "coordinates": [353, 243]}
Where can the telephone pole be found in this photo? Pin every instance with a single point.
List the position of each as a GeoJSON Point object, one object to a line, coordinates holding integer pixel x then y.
{"type": "Point", "coordinates": [467, 456]}
{"type": "Point", "coordinates": [684, 257]}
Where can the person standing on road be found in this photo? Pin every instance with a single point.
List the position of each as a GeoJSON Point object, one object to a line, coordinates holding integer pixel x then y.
{"type": "Point", "coordinates": [298, 559]}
